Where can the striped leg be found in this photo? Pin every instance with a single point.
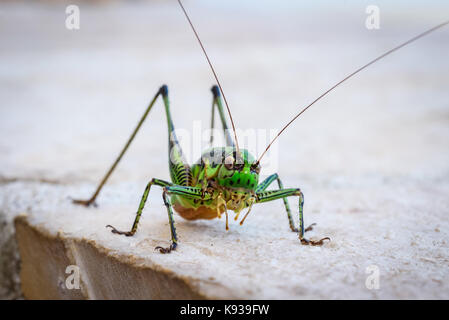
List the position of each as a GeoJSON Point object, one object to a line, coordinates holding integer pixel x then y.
{"type": "Point", "coordinates": [216, 101]}
{"type": "Point", "coordinates": [187, 192]}
{"type": "Point", "coordinates": [171, 220]}
{"type": "Point", "coordinates": [169, 189]}
{"type": "Point", "coordinates": [179, 169]}
{"type": "Point", "coordinates": [180, 172]}
{"type": "Point", "coordinates": [264, 196]}
{"type": "Point", "coordinates": [265, 184]}
{"type": "Point", "coordinates": [91, 200]}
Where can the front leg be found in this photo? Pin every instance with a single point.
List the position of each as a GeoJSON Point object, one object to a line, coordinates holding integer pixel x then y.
{"type": "Point", "coordinates": [169, 188]}
{"type": "Point", "coordinates": [187, 192]}
{"type": "Point", "coordinates": [171, 220]}
{"type": "Point", "coordinates": [133, 230]}
{"type": "Point", "coordinates": [264, 196]}
{"type": "Point", "coordinates": [265, 184]}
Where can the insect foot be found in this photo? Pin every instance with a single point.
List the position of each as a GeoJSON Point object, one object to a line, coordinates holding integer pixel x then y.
{"type": "Point", "coordinates": [126, 233]}
{"type": "Point", "coordinates": [320, 242]}
{"type": "Point", "coordinates": [167, 250]}
{"type": "Point", "coordinates": [85, 203]}
{"type": "Point", "coordinates": [309, 228]}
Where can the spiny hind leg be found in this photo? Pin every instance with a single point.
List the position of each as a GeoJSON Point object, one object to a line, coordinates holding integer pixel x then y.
{"type": "Point", "coordinates": [265, 184]}
{"type": "Point", "coordinates": [271, 195]}
{"type": "Point", "coordinates": [91, 200]}
{"type": "Point", "coordinates": [216, 102]}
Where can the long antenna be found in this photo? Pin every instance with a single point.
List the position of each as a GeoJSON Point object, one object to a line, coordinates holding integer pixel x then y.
{"type": "Point", "coordinates": [213, 71]}
{"type": "Point", "coordinates": [349, 76]}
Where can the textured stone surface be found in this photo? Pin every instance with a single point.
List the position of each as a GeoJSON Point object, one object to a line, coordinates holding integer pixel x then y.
{"type": "Point", "coordinates": [372, 158]}
{"type": "Point", "coordinates": [260, 259]}
{"type": "Point", "coordinates": [9, 261]}
{"type": "Point", "coordinates": [44, 273]}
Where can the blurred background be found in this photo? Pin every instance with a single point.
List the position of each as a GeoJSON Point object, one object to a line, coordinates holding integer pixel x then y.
{"type": "Point", "coordinates": [70, 98]}
{"type": "Point", "coordinates": [372, 156]}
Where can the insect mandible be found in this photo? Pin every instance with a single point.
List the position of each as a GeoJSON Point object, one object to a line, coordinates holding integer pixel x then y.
{"type": "Point", "coordinates": [225, 178]}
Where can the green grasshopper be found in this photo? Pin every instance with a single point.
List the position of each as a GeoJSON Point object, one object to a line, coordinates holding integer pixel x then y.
{"type": "Point", "coordinates": [225, 178]}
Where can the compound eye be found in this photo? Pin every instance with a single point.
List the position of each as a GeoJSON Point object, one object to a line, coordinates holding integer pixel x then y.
{"type": "Point", "coordinates": [255, 168]}
{"type": "Point", "coordinates": [229, 162]}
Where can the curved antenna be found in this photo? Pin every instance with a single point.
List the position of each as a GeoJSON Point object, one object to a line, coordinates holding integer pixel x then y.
{"type": "Point", "coordinates": [349, 76]}
{"type": "Point", "coordinates": [213, 71]}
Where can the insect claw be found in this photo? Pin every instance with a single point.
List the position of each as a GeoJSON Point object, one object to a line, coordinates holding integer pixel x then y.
{"type": "Point", "coordinates": [163, 250]}
{"type": "Point", "coordinates": [126, 233]}
{"type": "Point", "coordinates": [310, 228]}
{"type": "Point", "coordinates": [320, 242]}
{"type": "Point", "coordinates": [85, 203]}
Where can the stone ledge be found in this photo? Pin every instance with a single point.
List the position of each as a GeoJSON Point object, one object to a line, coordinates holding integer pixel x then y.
{"type": "Point", "coordinates": [103, 275]}
{"type": "Point", "coordinates": [260, 260]}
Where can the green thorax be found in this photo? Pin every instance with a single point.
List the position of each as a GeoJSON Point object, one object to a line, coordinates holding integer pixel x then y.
{"type": "Point", "coordinates": [223, 167]}
{"type": "Point", "coordinates": [228, 178]}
